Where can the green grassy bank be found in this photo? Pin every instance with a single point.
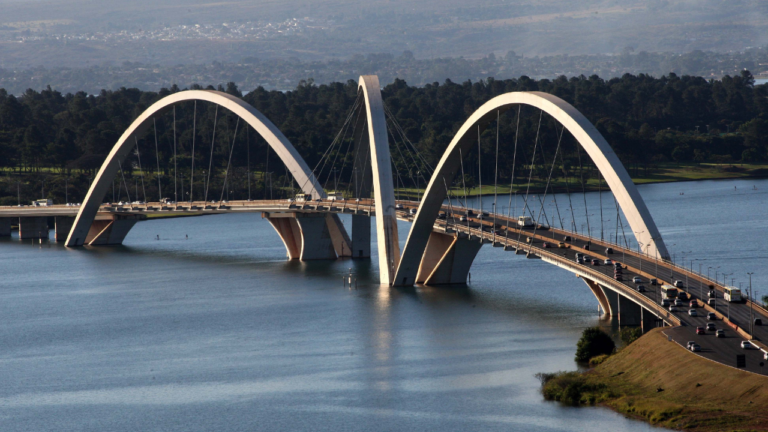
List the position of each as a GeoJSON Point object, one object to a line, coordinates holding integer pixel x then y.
{"type": "Point", "coordinates": [660, 382]}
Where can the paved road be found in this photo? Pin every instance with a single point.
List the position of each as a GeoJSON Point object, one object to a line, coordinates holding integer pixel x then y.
{"type": "Point", "coordinates": [723, 350]}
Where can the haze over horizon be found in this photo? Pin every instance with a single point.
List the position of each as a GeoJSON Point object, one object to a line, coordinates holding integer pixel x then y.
{"type": "Point", "coordinates": [81, 33]}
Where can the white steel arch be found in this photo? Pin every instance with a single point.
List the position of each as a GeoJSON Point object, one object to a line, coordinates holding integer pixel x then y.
{"type": "Point", "coordinates": [271, 134]}
{"type": "Point", "coordinates": [383, 187]}
{"type": "Point", "coordinates": [583, 131]}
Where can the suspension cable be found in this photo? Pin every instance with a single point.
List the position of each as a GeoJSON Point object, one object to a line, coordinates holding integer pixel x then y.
{"type": "Point", "coordinates": [248, 158]}
{"type": "Point", "coordinates": [194, 133]}
{"type": "Point", "coordinates": [464, 184]}
{"type": "Point", "coordinates": [122, 174]}
{"type": "Point", "coordinates": [175, 188]}
{"type": "Point", "coordinates": [345, 128]}
{"type": "Point", "coordinates": [496, 176]}
{"type": "Point", "coordinates": [583, 190]}
{"type": "Point", "coordinates": [600, 192]}
{"type": "Point", "coordinates": [512, 180]}
{"type": "Point", "coordinates": [157, 155]}
{"type": "Point", "coordinates": [554, 195]}
{"type": "Point", "coordinates": [210, 161]}
{"type": "Point", "coordinates": [568, 192]}
{"type": "Point", "coordinates": [229, 161]}
{"type": "Point", "coordinates": [479, 170]}
{"type": "Point", "coordinates": [530, 174]}
{"type": "Point", "coordinates": [138, 157]}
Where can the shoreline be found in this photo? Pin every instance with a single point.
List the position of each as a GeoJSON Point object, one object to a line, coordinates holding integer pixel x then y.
{"type": "Point", "coordinates": [663, 384]}
{"type": "Point", "coordinates": [538, 190]}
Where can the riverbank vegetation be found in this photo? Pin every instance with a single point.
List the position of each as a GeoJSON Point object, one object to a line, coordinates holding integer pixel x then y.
{"type": "Point", "coordinates": [658, 381]}
{"type": "Point", "coordinates": [663, 129]}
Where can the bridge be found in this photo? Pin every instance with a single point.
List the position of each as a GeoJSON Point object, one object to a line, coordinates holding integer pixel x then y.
{"type": "Point", "coordinates": [445, 234]}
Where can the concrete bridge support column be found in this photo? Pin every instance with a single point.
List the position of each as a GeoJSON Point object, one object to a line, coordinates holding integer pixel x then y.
{"type": "Point", "coordinates": [33, 228]}
{"type": "Point", "coordinates": [602, 300]}
{"type": "Point", "coordinates": [112, 231]}
{"type": "Point", "coordinates": [5, 227]}
{"type": "Point", "coordinates": [288, 229]}
{"type": "Point", "coordinates": [628, 312]}
{"type": "Point", "coordinates": [651, 321]}
{"type": "Point", "coordinates": [306, 236]}
{"type": "Point", "coordinates": [342, 244]}
{"type": "Point", "coordinates": [447, 259]}
{"type": "Point", "coordinates": [63, 227]}
{"type": "Point", "coordinates": [361, 236]}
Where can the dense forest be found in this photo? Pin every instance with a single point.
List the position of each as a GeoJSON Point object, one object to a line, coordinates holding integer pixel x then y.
{"type": "Point", "coordinates": [51, 144]}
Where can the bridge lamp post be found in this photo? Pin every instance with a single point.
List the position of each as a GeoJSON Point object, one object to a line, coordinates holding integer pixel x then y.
{"type": "Point", "coordinates": [751, 319]}
{"type": "Point", "coordinates": [729, 303]}
{"type": "Point", "coordinates": [493, 207]}
{"type": "Point", "coordinates": [418, 191]}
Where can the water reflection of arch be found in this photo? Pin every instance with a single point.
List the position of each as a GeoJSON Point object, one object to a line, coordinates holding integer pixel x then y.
{"type": "Point", "coordinates": [262, 125]}
{"type": "Point", "coordinates": [578, 126]}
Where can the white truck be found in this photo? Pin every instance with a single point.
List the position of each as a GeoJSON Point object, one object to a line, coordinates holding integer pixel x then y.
{"type": "Point", "coordinates": [524, 221]}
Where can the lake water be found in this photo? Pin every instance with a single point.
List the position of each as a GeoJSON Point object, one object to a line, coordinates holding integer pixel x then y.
{"type": "Point", "coordinates": [219, 332]}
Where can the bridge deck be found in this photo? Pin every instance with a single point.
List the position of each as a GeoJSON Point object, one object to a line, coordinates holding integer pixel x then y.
{"type": "Point", "coordinates": [502, 231]}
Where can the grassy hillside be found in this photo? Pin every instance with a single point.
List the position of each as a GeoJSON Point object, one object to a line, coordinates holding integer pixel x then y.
{"type": "Point", "coordinates": [661, 382]}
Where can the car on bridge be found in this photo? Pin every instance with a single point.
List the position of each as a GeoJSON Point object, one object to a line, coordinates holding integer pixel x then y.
{"type": "Point", "coordinates": [413, 211]}
{"type": "Point", "coordinates": [442, 215]}
{"type": "Point", "coordinates": [674, 308]}
{"type": "Point", "coordinates": [595, 262]}
{"type": "Point", "coordinates": [399, 207]}
{"type": "Point", "coordinates": [711, 327]}
{"type": "Point", "coordinates": [608, 261]}
{"type": "Point", "coordinates": [524, 221]}
{"type": "Point", "coordinates": [696, 347]}
{"type": "Point", "coordinates": [682, 295]}
{"type": "Point", "coordinates": [678, 302]}
{"type": "Point", "coordinates": [720, 333]}
{"type": "Point", "coordinates": [689, 344]}
{"type": "Point", "coordinates": [637, 279]}
{"type": "Point", "coordinates": [641, 288]}
{"type": "Point", "coordinates": [619, 277]}
{"type": "Point", "coordinates": [693, 313]}
{"type": "Point", "coordinates": [678, 284]}
{"type": "Point", "coordinates": [561, 245]}
{"type": "Point", "coordinates": [711, 316]}
{"type": "Point", "coordinates": [567, 238]}
{"type": "Point", "coordinates": [609, 250]}
{"type": "Point", "coordinates": [747, 345]}
{"type": "Point", "coordinates": [463, 219]}
{"type": "Point", "coordinates": [546, 245]}
{"type": "Point", "coordinates": [664, 302]}
{"type": "Point", "coordinates": [694, 304]}
{"type": "Point", "coordinates": [654, 282]}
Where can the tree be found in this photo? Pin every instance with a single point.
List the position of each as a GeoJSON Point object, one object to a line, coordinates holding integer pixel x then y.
{"type": "Point", "coordinates": [594, 341]}
{"type": "Point", "coordinates": [630, 334]}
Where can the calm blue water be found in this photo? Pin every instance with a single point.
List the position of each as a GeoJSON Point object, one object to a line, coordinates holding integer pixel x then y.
{"type": "Point", "coordinates": [220, 332]}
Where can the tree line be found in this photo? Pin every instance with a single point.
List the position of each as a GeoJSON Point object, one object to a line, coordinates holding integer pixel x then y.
{"type": "Point", "coordinates": [51, 144]}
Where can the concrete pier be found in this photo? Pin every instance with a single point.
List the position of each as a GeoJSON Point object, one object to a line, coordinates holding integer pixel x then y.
{"type": "Point", "coordinates": [110, 232]}
{"type": "Point", "coordinates": [63, 227]}
{"type": "Point", "coordinates": [306, 236]}
{"type": "Point", "coordinates": [361, 236]}
{"type": "Point", "coordinates": [5, 227]}
{"type": "Point", "coordinates": [33, 228]}
{"type": "Point", "coordinates": [447, 259]}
